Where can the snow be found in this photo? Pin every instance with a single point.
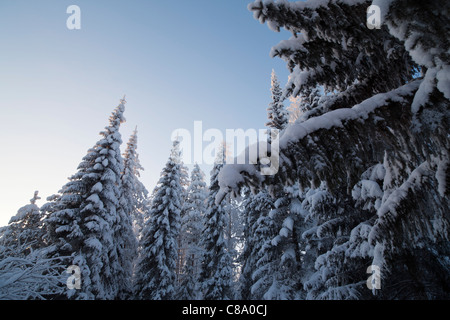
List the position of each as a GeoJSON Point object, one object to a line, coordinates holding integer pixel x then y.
{"type": "Point", "coordinates": [443, 80]}
{"type": "Point", "coordinates": [298, 78]}
{"type": "Point", "coordinates": [368, 189]}
{"type": "Point", "coordinates": [292, 44]}
{"type": "Point", "coordinates": [23, 212]}
{"type": "Point", "coordinates": [273, 26]}
{"type": "Point", "coordinates": [98, 167]}
{"type": "Point", "coordinates": [441, 176]}
{"type": "Point", "coordinates": [305, 4]}
{"type": "Point", "coordinates": [378, 172]}
{"type": "Point", "coordinates": [289, 223]}
{"type": "Point", "coordinates": [337, 118]}
{"type": "Point", "coordinates": [284, 232]}
{"type": "Point", "coordinates": [30, 278]}
{"type": "Point", "coordinates": [94, 199]}
{"type": "Point", "coordinates": [387, 212]}
{"type": "Point", "coordinates": [98, 187]}
{"type": "Point", "coordinates": [423, 93]}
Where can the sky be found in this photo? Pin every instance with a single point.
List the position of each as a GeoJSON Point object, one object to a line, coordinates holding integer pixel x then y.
{"type": "Point", "coordinates": [177, 62]}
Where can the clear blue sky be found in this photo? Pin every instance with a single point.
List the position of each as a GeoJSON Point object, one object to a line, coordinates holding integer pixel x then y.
{"type": "Point", "coordinates": [177, 61]}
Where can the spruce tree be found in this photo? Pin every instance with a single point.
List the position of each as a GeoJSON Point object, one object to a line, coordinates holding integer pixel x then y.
{"type": "Point", "coordinates": [24, 233]}
{"type": "Point", "coordinates": [378, 114]}
{"type": "Point", "coordinates": [277, 272]}
{"type": "Point", "coordinates": [192, 219]}
{"type": "Point", "coordinates": [133, 203]}
{"type": "Point", "coordinates": [83, 218]}
{"type": "Point", "coordinates": [134, 192]}
{"type": "Point", "coordinates": [158, 247]}
{"type": "Point", "coordinates": [265, 254]}
{"type": "Point", "coordinates": [216, 275]}
{"type": "Point", "coordinates": [277, 115]}
{"type": "Point", "coordinates": [257, 208]}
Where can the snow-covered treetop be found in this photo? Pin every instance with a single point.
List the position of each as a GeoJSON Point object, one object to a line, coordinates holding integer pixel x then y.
{"type": "Point", "coordinates": [117, 117]}
{"type": "Point", "coordinates": [275, 85]}
{"type": "Point", "coordinates": [35, 197]}
{"type": "Point", "coordinates": [131, 156]}
{"type": "Point", "coordinates": [175, 153]}
{"type": "Point", "coordinates": [27, 210]}
{"type": "Point", "coordinates": [277, 115]}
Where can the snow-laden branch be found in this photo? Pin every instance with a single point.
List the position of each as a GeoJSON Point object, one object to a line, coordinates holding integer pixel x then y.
{"type": "Point", "coordinates": [233, 176]}
{"type": "Point", "coordinates": [393, 207]}
{"type": "Point", "coordinates": [32, 277]}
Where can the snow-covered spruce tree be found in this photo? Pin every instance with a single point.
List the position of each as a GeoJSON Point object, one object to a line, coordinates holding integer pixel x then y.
{"type": "Point", "coordinates": [277, 274]}
{"type": "Point", "coordinates": [184, 178]}
{"type": "Point", "coordinates": [194, 208]}
{"type": "Point", "coordinates": [281, 243]}
{"type": "Point", "coordinates": [133, 204]}
{"type": "Point", "coordinates": [24, 232]}
{"type": "Point", "coordinates": [134, 192]}
{"type": "Point", "coordinates": [374, 118]}
{"type": "Point", "coordinates": [216, 275]}
{"type": "Point", "coordinates": [256, 206]}
{"type": "Point", "coordinates": [277, 114]}
{"type": "Point", "coordinates": [234, 238]}
{"type": "Point", "coordinates": [277, 277]}
{"type": "Point", "coordinates": [265, 257]}
{"type": "Point", "coordinates": [261, 257]}
{"type": "Point", "coordinates": [327, 272]}
{"type": "Point", "coordinates": [25, 271]}
{"type": "Point", "coordinates": [82, 220]}
{"type": "Point", "coordinates": [158, 247]}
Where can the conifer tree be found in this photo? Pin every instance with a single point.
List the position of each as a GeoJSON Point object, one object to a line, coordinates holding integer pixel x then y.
{"type": "Point", "coordinates": [216, 275]}
{"type": "Point", "coordinates": [134, 192]}
{"type": "Point", "coordinates": [133, 203]}
{"type": "Point", "coordinates": [192, 219]}
{"type": "Point", "coordinates": [277, 272]}
{"type": "Point", "coordinates": [278, 116]}
{"type": "Point", "coordinates": [83, 218]}
{"type": "Point", "coordinates": [257, 208]}
{"type": "Point", "coordinates": [24, 232]}
{"type": "Point", "coordinates": [158, 247]}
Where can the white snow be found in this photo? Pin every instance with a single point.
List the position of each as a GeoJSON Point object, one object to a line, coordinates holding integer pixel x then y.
{"type": "Point", "coordinates": [289, 223]}
{"type": "Point", "coordinates": [425, 89]}
{"type": "Point", "coordinates": [98, 187]}
{"type": "Point", "coordinates": [441, 176]}
{"type": "Point", "coordinates": [388, 210]}
{"type": "Point", "coordinates": [443, 78]}
{"type": "Point", "coordinates": [94, 243]}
